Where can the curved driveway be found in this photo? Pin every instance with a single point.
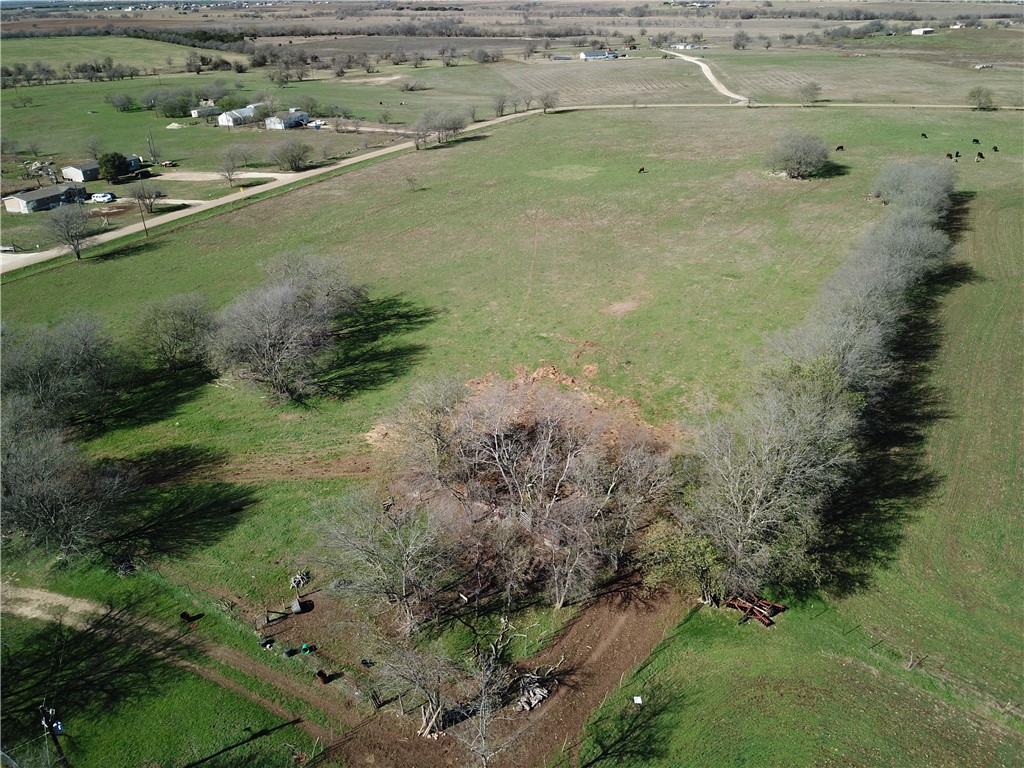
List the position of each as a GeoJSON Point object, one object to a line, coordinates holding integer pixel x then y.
{"type": "Point", "coordinates": [710, 76]}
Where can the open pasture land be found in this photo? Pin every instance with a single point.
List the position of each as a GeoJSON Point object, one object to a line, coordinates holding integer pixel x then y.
{"type": "Point", "coordinates": [147, 55]}
{"type": "Point", "coordinates": [537, 246]}
{"type": "Point", "coordinates": [935, 69]}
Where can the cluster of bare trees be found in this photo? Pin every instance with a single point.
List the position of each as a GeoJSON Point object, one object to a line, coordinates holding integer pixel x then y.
{"type": "Point", "coordinates": [444, 124]}
{"type": "Point", "coordinates": [53, 380]}
{"type": "Point", "coordinates": [761, 480]}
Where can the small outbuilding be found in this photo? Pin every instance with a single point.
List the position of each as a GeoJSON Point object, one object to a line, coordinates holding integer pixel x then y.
{"type": "Point", "coordinates": [209, 111]}
{"type": "Point", "coordinates": [293, 118]}
{"type": "Point", "coordinates": [922, 31]}
{"type": "Point", "coordinates": [45, 198]}
{"type": "Point", "coordinates": [235, 117]}
{"type": "Point", "coordinates": [81, 172]}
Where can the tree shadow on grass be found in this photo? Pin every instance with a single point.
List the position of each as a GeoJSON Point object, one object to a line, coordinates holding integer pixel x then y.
{"type": "Point", "coordinates": [831, 170]}
{"type": "Point", "coordinates": [149, 397]}
{"type": "Point", "coordinates": [866, 524]}
{"type": "Point", "coordinates": [174, 520]}
{"type": "Point", "coordinates": [457, 141]}
{"type": "Point", "coordinates": [93, 668]}
{"type": "Point", "coordinates": [367, 356]}
{"type": "Point", "coordinates": [221, 759]}
{"type": "Point", "coordinates": [630, 733]}
{"type": "Point", "coordinates": [954, 223]}
{"type": "Point", "coordinates": [116, 250]}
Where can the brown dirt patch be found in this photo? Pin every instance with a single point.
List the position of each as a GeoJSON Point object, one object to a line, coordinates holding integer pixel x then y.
{"type": "Point", "coordinates": [620, 308]}
{"type": "Point", "coordinates": [298, 467]}
{"type": "Point", "coordinates": [590, 370]}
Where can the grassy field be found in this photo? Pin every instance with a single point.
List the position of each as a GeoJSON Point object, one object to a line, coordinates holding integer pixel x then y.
{"type": "Point", "coordinates": [148, 710]}
{"type": "Point", "coordinates": [146, 55]}
{"type": "Point", "coordinates": [951, 597]}
{"type": "Point", "coordinates": [538, 245]}
{"type": "Point", "coordinates": [935, 69]}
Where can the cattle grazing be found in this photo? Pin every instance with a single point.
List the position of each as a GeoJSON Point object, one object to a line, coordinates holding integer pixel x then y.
{"type": "Point", "coordinates": [995, 149]}
{"type": "Point", "coordinates": [924, 135]}
{"type": "Point", "coordinates": [975, 141]}
{"type": "Point", "coordinates": [383, 104]}
{"type": "Point", "coordinates": [949, 155]}
{"type": "Point", "coordinates": [957, 153]}
{"type": "Point", "coordinates": [979, 157]}
{"type": "Point", "coordinates": [643, 169]}
{"type": "Point", "coordinates": [840, 148]}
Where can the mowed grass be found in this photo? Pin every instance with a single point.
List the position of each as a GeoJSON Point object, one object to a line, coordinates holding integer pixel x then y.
{"type": "Point", "coordinates": [179, 718]}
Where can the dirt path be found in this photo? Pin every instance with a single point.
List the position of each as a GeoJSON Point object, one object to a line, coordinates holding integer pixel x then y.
{"type": "Point", "coordinates": [715, 82]}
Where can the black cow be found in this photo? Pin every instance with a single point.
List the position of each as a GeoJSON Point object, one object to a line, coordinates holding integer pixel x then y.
{"type": "Point", "coordinates": [979, 157]}
{"type": "Point", "coordinates": [995, 149]}
{"type": "Point", "coordinates": [643, 169]}
{"type": "Point", "coordinates": [957, 153]}
{"type": "Point", "coordinates": [975, 141]}
{"type": "Point", "coordinates": [949, 156]}
{"type": "Point", "coordinates": [924, 135]}
{"type": "Point", "coordinates": [840, 148]}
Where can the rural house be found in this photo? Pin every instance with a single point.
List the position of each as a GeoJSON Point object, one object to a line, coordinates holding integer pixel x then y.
{"type": "Point", "coordinates": [293, 118]}
{"type": "Point", "coordinates": [589, 55]}
{"type": "Point", "coordinates": [241, 116]}
{"type": "Point", "coordinates": [923, 31]}
{"type": "Point", "coordinates": [134, 163]}
{"type": "Point", "coordinates": [81, 172]}
{"type": "Point", "coordinates": [45, 198]}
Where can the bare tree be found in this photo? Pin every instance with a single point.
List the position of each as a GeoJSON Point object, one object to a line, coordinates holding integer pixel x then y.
{"type": "Point", "coordinates": [175, 332]}
{"type": "Point", "coordinates": [94, 147]}
{"type": "Point", "coordinates": [51, 493]}
{"type": "Point", "coordinates": [70, 226]}
{"type": "Point", "coordinates": [549, 100]}
{"type": "Point", "coordinates": [432, 675]}
{"type": "Point", "coordinates": [798, 155]}
{"type": "Point", "coordinates": [740, 40]}
{"type": "Point", "coordinates": [980, 97]}
{"type": "Point", "coordinates": [809, 93]}
{"type": "Point", "coordinates": [290, 155]}
{"type": "Point", "coordinates": [229, 167]}
{"type": "Point", "coordinates": [146, 194]}
{"type": "Point", "coordinates": [241, 153]}
{"type": "Point", "coordinates": [274, 334]}
{"type": "Point", "coordinates": [65, 371]}
{"type": "Point", "coordinates": [396, 556]}
{"type": "Point", "coordinates": [500, 103]}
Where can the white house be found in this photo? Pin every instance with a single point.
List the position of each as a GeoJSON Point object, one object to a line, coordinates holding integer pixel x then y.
{"type": "Point", "coordinates": [293, 118]}
{"type": "Point", "coordinates": [922, 31]}
{"type": "Point", "coordinates": [235, 117]}
{"type": "Point", "coordinates": [81, 172]}
{"type": "Point", "coordinates": [591, 55]}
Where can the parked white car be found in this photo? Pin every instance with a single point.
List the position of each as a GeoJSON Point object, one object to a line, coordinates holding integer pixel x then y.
{"type": "Point", "coordinates": [104, 197]}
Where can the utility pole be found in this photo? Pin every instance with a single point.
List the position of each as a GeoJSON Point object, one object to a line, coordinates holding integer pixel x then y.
{"type": "Point", "coordinates": [143, 215]}
{"type": "Point", "coordinates": [49, 725]}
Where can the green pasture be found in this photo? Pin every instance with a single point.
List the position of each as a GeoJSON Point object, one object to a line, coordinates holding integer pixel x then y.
{"type": "Point", "coordinates": [120, 711]}
{"type": "Point", "coordinates": [537, 244]}
{"type": "Point", "coordinates": [813, 690]}
{"type": "Point", "coordinates": [146, 55]}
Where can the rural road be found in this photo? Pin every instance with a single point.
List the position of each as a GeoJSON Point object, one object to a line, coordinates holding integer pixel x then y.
{"type": "Point", "coordinates": [12, 261]}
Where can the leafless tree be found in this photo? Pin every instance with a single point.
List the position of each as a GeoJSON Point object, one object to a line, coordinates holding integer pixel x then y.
{"type": "Point", "coordinates": [500, 103]}
{"type": "Point", "coordinates": [290, 154]}
{"type": "Point", "coordinates": [397, 556]}
{"type": "Point", "coordinates": [920, 184]}
{"type": "Point", "coordinates": [432, 675]}
{"type": "Point", "coordinates": [174, 333]}
{"type": "Point", "coordinates": [51, 493]}
{"type": "Point", "coordinates": [242, 154]}
{"type": "Point", "coordinates": [273, 334]}
{"type": "Point", "coordinates": [65, 371]}
{"type": "Point", "coordinates": [549, 100]}
{"type": "Point", "coordinates": [146, 194]}
{"type": "Point", "coordinates": [229, 167]}
{"type": "Point", "coordinates": [798, 155]}
{"type": "Point", "coordinates": [94, 147]}
{"type": "Point", "coordinates": [809, 93]}
{"type": "Point", "coordinates": [71, 227]}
